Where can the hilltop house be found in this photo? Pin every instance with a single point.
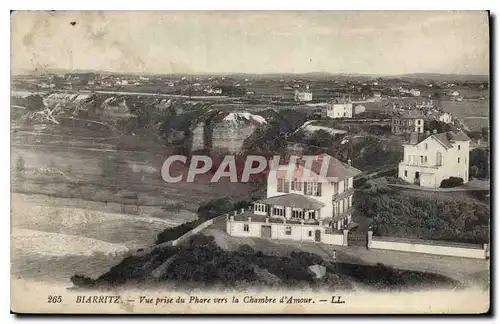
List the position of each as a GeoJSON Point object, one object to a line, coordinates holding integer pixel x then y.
{"type": "Point", "coordinates": [446, 118]}
{"type": "Point", "coordinates": [305, 207]}
{"type": "Point", "coordinates": [435, 158]}
{"type": "Point", "coordinates": [415, 92]}
{"type": "Point", "coordinates": [408, 121]}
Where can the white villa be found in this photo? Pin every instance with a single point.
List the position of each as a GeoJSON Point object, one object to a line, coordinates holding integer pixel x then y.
{"type": "Point", "coordinates": [435, 158]}
{"type": "Point", "coordinates": [339, 108]}
{"type": "Point", "coordinates": [307, 208]}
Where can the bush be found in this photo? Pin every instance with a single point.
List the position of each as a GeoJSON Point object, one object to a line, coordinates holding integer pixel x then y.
{"type": "Point", "coordinates": [479, 166]}
{"type": "Point", "coordinates": [246, 249]}
{"type": "Point", "coordinates": [81, 281]}
{"type": "Point", "coordinates": [358, 183]}
{"type": "Point", "coordinates": [398, 214]}
{"type": "Point", "coordinates": [451, 182]}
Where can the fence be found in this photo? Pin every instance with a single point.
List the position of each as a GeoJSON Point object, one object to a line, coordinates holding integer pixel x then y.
{"type": "Point", "coordinates": [475, 251]}
{"type": "Point", "coordinates": [195, 230]}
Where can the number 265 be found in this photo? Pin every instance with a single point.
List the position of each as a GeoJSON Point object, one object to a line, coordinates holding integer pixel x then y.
{"type": "Point", "coordinates": [54, 299]}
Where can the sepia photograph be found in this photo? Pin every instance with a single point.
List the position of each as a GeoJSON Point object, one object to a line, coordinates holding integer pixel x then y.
{"type": "Point", "coordinates": [250, 162]}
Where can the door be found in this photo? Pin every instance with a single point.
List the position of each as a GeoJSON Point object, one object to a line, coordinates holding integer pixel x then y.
{"type": "Point", "coordinates": [265, 231]}
{"type": "Point", "coordinates": [317, 236]}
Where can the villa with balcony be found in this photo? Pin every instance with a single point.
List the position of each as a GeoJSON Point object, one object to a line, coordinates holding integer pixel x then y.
{"type": "Point", "coordinates": [310, 205]}
{"type": "Point", "coordinates": [432, 158]}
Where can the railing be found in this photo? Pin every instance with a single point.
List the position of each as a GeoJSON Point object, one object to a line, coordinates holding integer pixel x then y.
{"type": "Point", "coordinates": [274, 220]}
{"type": "Point", "coordinates": [342, 195]}
{"type": "Point", "coordinates": [420, 165]}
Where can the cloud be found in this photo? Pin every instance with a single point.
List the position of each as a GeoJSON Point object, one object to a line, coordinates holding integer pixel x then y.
{"type": "Point", "coordinates": [253, 42]}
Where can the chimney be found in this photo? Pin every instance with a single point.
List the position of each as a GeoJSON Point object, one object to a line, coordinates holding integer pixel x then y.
{"type": "Point", "coordinates": [413, 138]}
{"type": "Point", "coordinates": [434, 131]}
{"type": "Point", "coordinates": [427, 133]}
{"type": "Point", "coordinates": [349, 161]}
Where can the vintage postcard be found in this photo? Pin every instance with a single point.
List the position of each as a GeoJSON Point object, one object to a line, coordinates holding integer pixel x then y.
{"type": "Point", "coordinates": [250, 162]}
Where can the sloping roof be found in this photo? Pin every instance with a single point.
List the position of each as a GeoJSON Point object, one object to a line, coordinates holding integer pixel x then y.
{"type": "Point", "coordinates": [336, 168]}
{"type": "Point", "coordinates": [460, 136]}
{"type": "Point", "coordinates": [293, 200]}
{"type": "Point", "coordinates": [443, 139]}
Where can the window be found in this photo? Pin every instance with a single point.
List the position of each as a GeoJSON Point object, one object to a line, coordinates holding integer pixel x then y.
{"type": "Point", "coordinates": [246, 228]}
{"type": "Point", "coordinates": [310, 233]}
{"type": "Point", "coordinates": [260, 208]}
{"type": "Point", "coordinates": [279, 211]}
{"type": "Point", "coordinates": [286, 186]}
{"type": "Point", "coordinates": [421, 159]}
{"type": "Point", "coordinates": [283, 186]}
{"type": "Point", "coordinates": [419, 122]}
{"type": "Point", "coordinates": [426, 146]}
{"type": "Point", "coordinates": [280, 185]}
{"type": "Point", "coordinates": [425, 159]}
{"type": "Point", "coordinates": [311, 214]}
{"type": "Point", "coordinates": [298, 213]}
{"type": "Point", "coordinates": [288, 230]}
{"type": "Point", "coordinates": [458, 161]}
{"type": "Point", "coordinates": [406, 173]}
{"type": "Point", "coordinates": [459, 147]}
{"type": "Point", "coordinates": [296, 186]}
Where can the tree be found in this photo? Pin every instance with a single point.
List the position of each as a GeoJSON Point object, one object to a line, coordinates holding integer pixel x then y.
{"type": "Point", "coordinates": [437, 125]}
{"type": "Point", "coordinates": [479, 166]}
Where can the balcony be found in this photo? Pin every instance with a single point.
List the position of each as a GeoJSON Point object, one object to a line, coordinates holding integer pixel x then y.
{"type": "Point", "coordinates": [343, 195]}
{"type": "Point", "coordinates": [419, 165]}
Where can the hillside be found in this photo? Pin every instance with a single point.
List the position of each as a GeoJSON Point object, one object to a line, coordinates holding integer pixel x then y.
{"type": "Point", "coordinates": [203, 264]}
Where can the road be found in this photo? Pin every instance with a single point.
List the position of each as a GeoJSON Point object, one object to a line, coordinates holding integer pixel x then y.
{"type": "Point", "coordinates": [468, 271]}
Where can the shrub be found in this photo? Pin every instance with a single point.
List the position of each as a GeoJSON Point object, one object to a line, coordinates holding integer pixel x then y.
{"type": "Point", "coordinates": [451, 182]}
{"type": "Point", "coordinates": [430, 218]}
{"type": "Point", "coordinates": [246, 249]}
{"type": "Point", "coordinates": [358, 183]}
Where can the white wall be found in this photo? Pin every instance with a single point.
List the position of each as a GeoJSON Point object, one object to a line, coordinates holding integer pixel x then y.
{"type": "Point", "coordinates": [236, 229]}
{"type": "Point", "coordinates": [302, 233]}
{"type": "Point", "coordinates": [334, 239]}
{"type": "Point", "coordinates": [195, 230]}
{"type": "Point", "coordinates": [339, 110]}
{"type": "Point", "coordinates": [429, 149]}
{"type": "Point", "coordinates": [478, 253]}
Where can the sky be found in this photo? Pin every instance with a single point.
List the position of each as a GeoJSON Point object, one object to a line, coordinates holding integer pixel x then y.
{"type": "Point", "coordinates": [376, 42]}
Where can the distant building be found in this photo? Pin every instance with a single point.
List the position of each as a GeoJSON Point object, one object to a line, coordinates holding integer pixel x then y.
{"type": "Point", "coordinates": [415, 92]}
{"type": "Point", "coordinates": [359, 109]}
{"type": "Point", "coordinates": [339, 108]}
{"type": "Point", "coordinates": [303, 96]}
{"type": "Point", "coordinates": [446, 118]}
{"type": "Point", "coordinates": [407, 122]}
{"type": "Point", "coordinates": [435, 158]}
{"type": "Point", "coordinates": [377, 95]}
{"type": "Point", "coordinates": [122, 82]}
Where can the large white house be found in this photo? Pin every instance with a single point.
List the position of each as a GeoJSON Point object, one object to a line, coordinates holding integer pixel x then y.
{"type": "Point", "coordinates": [309, 207]}
{"type": "Point", "coordinates": [435, 158]}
